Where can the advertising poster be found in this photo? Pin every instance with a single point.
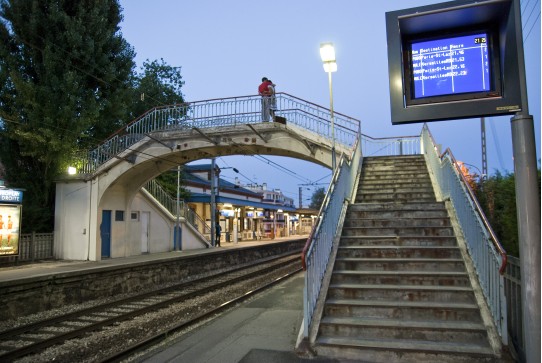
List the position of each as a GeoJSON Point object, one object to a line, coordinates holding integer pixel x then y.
{"type": "Point", "coordinates": [10, 221]}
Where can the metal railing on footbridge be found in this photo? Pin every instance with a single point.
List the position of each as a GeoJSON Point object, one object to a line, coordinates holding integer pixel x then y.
{"type": "Point", "coordinates": [230, 111]}
{"type": "Point", "coordinates": [488, 256]}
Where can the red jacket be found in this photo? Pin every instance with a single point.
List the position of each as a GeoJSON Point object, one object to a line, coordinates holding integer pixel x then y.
{"type": "Point", "coordinates": [263, 89]}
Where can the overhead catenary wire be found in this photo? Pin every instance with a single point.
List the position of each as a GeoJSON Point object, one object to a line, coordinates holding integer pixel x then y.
{"type": "Point", "coordinates": [526, 20]}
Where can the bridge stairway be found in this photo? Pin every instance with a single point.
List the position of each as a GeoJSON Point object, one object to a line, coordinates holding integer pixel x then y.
{"type": "Point", "coordinates": [399, 290]}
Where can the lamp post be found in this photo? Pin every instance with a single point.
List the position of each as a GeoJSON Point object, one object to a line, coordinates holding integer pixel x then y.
{"type": "Point", "coordinates": [327, 53]}
{"type": "Point", "coordinates": [215, 191]}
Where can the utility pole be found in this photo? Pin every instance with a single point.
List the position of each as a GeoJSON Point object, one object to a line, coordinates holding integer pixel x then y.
{"type": "Point", "coordinates": [213, 203]}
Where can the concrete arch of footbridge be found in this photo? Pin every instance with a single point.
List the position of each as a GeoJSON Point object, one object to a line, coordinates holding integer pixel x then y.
{"type": "Point", "coordinates": [116, 183]}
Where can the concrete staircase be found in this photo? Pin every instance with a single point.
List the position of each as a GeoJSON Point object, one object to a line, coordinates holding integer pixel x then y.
{"type": "Point", "coordinates": [399, 291]}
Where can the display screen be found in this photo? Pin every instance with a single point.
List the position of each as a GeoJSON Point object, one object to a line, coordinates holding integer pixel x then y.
{"type": "Point", "coordinates": [451, 65]}
{"type": "Point", "coordinates": [227, 212]}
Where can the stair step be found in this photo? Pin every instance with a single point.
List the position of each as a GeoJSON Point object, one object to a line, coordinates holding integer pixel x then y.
{"type": "Point", "coordinates": [443, 278]}
{"type": "Point", "coordinates": [400, 329]}
{"type": "Point", "coordinates": [423, 206]}
{"type": "Point", "coordinates": [391, 350]}
{"type": "Point", "coordinates": [399, 252]}
{"type": "Point", "coordinates": [398, 222]}
{"type": "Point", "coordinates": [398, 309]}
{"type": "Point", "coordinates": [402, 323]}
{"type": "Point", "coordinates": [393, 177]}
{"type": "Point", "coordinates": [398, 241]}
{"type": "Point", "coordinates": [400, 264]}
{"type": "Point", "coordinates": [398, 214]}
{"type": "Point", "coordinates": [401, 292]}
{"type": "Point", "coordinates": [394, 185]}
{"type": "Point", "coordinates": [383, 192]}
{"type": "Point", "coordinates": [398, 231]}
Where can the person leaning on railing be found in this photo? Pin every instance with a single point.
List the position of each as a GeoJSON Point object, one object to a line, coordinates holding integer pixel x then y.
{"type": "Point", "coordinates": [266, 91]}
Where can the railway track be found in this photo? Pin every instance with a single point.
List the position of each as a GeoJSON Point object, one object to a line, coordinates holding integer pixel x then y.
{"type": "Point", "coordinates": [244, 281]}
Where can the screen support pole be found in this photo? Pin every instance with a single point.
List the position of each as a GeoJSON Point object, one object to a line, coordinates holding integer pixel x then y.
{"type": "Point", "coordinates": [528, 206]}
{"type": "Point", "coordinates": [528, 214]}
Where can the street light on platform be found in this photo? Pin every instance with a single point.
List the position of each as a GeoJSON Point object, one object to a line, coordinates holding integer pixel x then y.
{"type": "Point", "coordinates": [327, 53]}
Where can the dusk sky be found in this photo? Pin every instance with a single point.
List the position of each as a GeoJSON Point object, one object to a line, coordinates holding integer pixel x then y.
{"type": "Point", "coordinates": [224, 48]}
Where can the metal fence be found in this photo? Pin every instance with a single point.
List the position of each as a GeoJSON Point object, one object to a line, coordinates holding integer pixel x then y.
{"type": "Point", "coordinates": [488, 256]}
{"type": "Point", "coordinates": [514, 311]}
{"type": "Point", "coordinates": [220, 112]}
{"type": "Point", "coordinates": [32, 246]}
{"type": "Point", "coordinates": [385, 146]}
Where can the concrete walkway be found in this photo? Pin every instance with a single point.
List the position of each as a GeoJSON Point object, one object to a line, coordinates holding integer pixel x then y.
{"type": "Point", "coordinates": [262, 330]}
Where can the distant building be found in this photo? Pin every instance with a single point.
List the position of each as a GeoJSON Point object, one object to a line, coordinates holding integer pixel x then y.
{"type": "Point", "coordinates": [244, 212]}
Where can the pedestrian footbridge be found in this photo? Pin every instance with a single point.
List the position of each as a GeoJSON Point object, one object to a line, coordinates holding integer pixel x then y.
{"type": "Point", "coordinates": [110, 178]}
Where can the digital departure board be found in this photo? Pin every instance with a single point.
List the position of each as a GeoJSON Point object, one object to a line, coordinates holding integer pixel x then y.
{"type": "Point", "coordinates": [448, 66]}
{"type": "Point", "coordinates": [454, 60]}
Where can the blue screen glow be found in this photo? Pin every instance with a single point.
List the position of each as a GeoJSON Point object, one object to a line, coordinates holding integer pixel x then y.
{"type": "Point", "coordinates": [450, 66]}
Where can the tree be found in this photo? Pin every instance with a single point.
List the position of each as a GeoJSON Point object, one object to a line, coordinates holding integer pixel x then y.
{"type": "Point", "coordinates": [168, 182]}
{"type": "Point", "coordinates": [497, 197]}
{"type": "Point", "coordinates": [66, 81]}
{"type": "Point", "coordinates": [317, 198]}
{"type": "Point", "coordinates": [158, 84]}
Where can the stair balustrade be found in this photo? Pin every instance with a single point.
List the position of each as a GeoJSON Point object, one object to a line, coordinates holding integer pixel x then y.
{"type": "Point", "coordinates": [484, 248]}
{"type": "Point", "coordinates": [170, 204]}
{"type": "Point", "coordinates": [317, 250]}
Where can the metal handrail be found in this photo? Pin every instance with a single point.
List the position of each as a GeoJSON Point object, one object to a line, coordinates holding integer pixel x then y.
{"type": "Point", "coordinates": [487, 254]}
{"type": "Point", "coordinates": [479, 210]}
{"type": "Point", "coordinates": [317, 250]}
{"type": "Point", "coordinates": [398, 145]}
{"type": "Point", "coordinates": [170, 203]}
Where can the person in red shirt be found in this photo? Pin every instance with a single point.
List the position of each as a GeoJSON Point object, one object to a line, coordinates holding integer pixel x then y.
{"type": "Point", "coordinates": [266, 91]}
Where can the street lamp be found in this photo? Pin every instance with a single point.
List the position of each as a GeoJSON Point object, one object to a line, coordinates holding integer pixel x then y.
{"type": "Point", "coordinates": [215, 191]}
{"type": "Point", "coordinates": [327, 53]}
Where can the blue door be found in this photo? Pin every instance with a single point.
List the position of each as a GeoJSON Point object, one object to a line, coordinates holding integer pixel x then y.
{"type": "Point", "coordinates": [105, 233]}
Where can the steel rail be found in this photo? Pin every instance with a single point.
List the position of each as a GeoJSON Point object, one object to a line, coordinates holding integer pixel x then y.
{"type": "Point", "coordinates": [149, 342]}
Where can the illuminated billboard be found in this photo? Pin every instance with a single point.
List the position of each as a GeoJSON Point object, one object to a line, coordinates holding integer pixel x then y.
{"type": "Point", "coordinates": [453, 60]}
{"type": "Point", "coordinates": [10, 221]}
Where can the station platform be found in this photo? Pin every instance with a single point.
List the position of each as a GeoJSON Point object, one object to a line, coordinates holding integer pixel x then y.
{"type": "Point", "coordinates": [263, 329]}
{"type": "Point", "coordinates": [53, 267]}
